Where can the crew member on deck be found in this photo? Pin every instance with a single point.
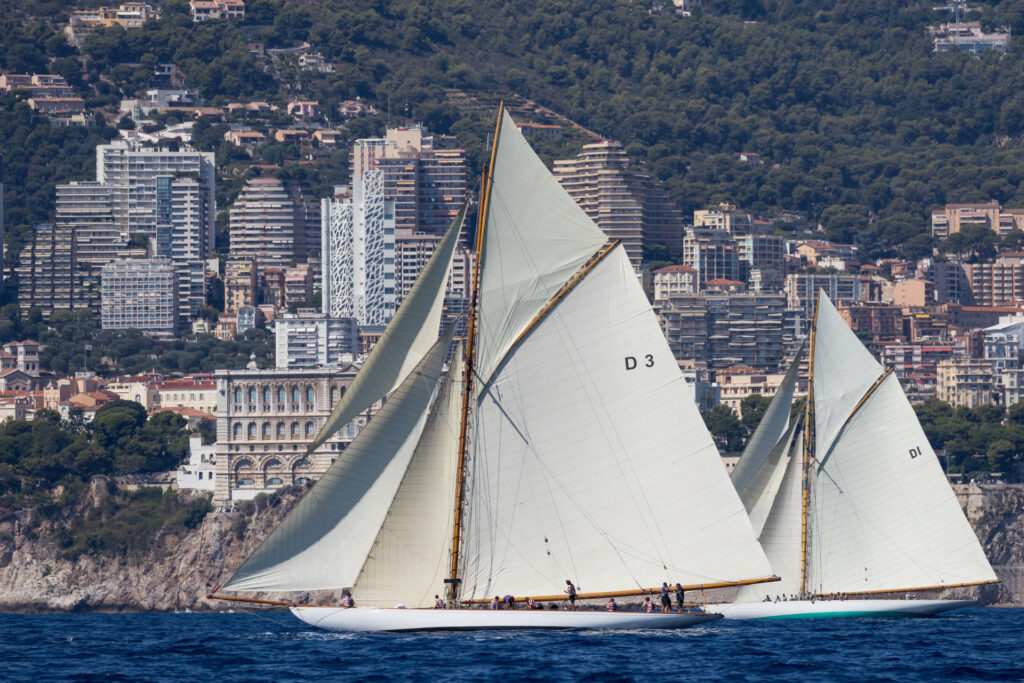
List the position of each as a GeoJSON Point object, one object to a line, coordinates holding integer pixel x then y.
{"type": "Point", "coordinates": [438, 602]}
{"type": "Point", "coordinates": [496, 603]}
{"type": "Point", "coordinates": [679, 596]}
{"type": "Point", "coordinates": [648, 605]}
{"type": "Point", "coordinates": [666, 601]}
{"type": "Point", "coordinates": [346, 599]}
{"type": "Point", "coordinates": [611, 606]}
{"type": "Point", "coordinates": [510, 602]}
{"type": "Point", "coordinates": [571, 591]}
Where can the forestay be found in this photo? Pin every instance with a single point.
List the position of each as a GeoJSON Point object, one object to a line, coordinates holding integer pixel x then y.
{"type": "Point", "coordinates": [404, 342]}
{"type": "Point", "coordinates": [409, 559]}
{"type": "Point", "coordinates": [536, 238]}
{"type": "Point", "coordinates": [882, 515]}
{"type": "Point", "coordinates": [591, 462]}
{"type": "Point", "coordinates": [323, 542]}
{"type": "Point", "coordinates": [781, 535]}
{"type": "Point", "coordinates": [843, 372]}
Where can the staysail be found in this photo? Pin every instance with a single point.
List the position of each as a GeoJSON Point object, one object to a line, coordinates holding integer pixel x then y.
{"type": "Point", "coordinates": [758, 496]}
{"type": "Point", "coordinates": [405, 341]}
{"type": "Point", "coordinates": [781, 535]}
{"type": "Point", "coordinates": [882, 514]}
{"type": "Point", "coordinates": [770, 430]}
{"type": "Point", "coordinates": [591, 461]}
{"type": "Point", "coordinates": [536, 238]}
{"type": "Point", "coordinates": [409, 559]}
{"type": "Point", "coordinates": [323, 542]}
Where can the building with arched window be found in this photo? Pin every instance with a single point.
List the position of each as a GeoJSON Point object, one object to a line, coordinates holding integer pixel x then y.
{"type": "Point", "coordinates": [267, 418]}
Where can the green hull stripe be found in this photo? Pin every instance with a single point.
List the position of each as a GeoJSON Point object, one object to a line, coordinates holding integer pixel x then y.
{"type": "Point", "coordinates": [821, 615]}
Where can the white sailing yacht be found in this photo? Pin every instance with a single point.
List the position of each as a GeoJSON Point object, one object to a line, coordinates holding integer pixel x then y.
{"type": "Point", "coordinates": [849, 499]}
{"type": "Point", "coordinates": [561, 445]}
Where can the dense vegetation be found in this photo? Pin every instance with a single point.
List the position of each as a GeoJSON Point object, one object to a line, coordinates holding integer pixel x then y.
{"type": "Point", "coordinates": [36, 456]}
{"type": "Point", "coordinates": [861, 126]}
{"type": "Point", "coordinates": [67, 334]}
{"type": "Point", "coordinates": [130, 526]}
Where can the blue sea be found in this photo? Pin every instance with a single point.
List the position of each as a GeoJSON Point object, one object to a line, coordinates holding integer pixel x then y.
{"type": "Point", "coordinates": [970, 645]}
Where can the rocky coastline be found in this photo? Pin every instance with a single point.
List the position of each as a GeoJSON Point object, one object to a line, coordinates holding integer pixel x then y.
{"type": "Point", "coordinates": [181, 569]}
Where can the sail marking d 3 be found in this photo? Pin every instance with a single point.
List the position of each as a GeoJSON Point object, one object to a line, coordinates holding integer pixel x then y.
{"type": "Point", "coordinates": [323, 542]}
{"type": "Point", "coordinates": [405, 341]}
{"type": "Point", "coordinates": [591, 460]}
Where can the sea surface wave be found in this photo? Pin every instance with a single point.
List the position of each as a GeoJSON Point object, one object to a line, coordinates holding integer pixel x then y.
{"type": "Point", "coordinates": [970, 645]}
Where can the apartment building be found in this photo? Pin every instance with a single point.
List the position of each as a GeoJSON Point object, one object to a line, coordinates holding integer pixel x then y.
{"type": "Point", "coordinates": [627, 204]}
{"type": "Point", "coordinates": [968, 382]}
{"type": "Point", "coordinates": [140, 295]}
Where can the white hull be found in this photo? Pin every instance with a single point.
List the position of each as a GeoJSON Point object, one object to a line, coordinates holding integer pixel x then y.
{"type": "Point", "coordinates": [821, 609]}
{"type": "Point", "coordinates": [376, 619]}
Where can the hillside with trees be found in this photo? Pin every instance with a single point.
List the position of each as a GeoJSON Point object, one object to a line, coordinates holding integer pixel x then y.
{"type": "Point", "coordinates": [860, 125]}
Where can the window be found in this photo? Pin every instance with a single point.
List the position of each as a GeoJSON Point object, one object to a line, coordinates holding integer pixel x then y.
{"type": "Point", "coordinates": [302, 480]}
{"type": "Point", "coordinates": [266, 430]}
{"type": "Point", "coordinates": [310, 395]}
{"type": "Point", "coordinates": [280, 395]}
{"type": "Point", "coordinates": [243, 464]}
{"type": "Point", "coordinates": [237, 431]}
{"type": "Point", "coordinates": [238, 394]}
{"type": "Point", "coordinates": [309, 429]}
{"type": "Point", "coordinates": [246, 481]}
{"type": "Point", "coordinates": [295, 394]}
{"type": "Point", "coordinates": [280, 430]}
{"type": "Point", "coordinates": [295, 430]}
{"type": "Point", "coordinates": [266, 394]}
{"type": "Point", "coordinates": [274, 481]}
{"type": "Point", "coordinates": [252, 394]}
{"type": "Point", "coordinates": [305, 462]}
{"type": "Point", "coordinates": [334, 395]}
{"type": "Point", "coordinates": [252, 430]}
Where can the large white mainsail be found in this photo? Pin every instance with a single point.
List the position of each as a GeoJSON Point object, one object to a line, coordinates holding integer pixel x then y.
{"type": "Point", "coordinates": [882, 514]}
{"type": "Point", "coordinates": [536, 238]}
{"type": "Point", "coordinates": [409, 559]}
{"type": "Point", "coordinates": [405, 341]}
{"type": "Point", "coordinates": [843, 372]}
{"type": "Point", "coordinates": [323, 542]}
{"type": "Point", "coordinates": [591, 462]}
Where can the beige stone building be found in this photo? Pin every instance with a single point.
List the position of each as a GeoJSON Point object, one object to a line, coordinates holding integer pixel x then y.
{"type": "Point", "coordinates": [968, 382]}
{"type": "Point", "coordinates": [198, 392]}
{"type": "Point", "coordinates": [265, 421]}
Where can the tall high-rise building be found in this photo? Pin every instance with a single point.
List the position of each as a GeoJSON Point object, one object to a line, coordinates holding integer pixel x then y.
{"type": "Point", "coordinates": [625, 203]}
{"type": "Point", "coordinates": [359, 253]}
{"type": "Point", "coordinates": [712, 253]}
{"type": "Point", "coordinates": [140, 294]}
{"type": "Point", "coordinates": [275, 222]}
{"type": "Point", "coordinates": [427, 181]}
{"type": "Point", "coordinates": [48, 276]}
{"type": "Point", "coordinates": [86, 208]}
{"type": "Point", "coordinates": [141, 202]}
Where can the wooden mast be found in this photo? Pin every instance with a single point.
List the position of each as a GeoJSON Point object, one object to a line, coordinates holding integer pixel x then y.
{"type": "Point", "coordinates": [808, 452]}
{"type": "Point", "coordinates": [467, 384]}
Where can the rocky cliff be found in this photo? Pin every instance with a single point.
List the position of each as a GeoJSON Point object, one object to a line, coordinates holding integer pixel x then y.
{"type": "Point", "coordinates": [178, 572]}
{"type": "Point", "coordinates": [180, 569]}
